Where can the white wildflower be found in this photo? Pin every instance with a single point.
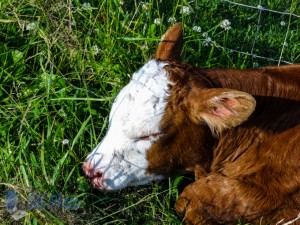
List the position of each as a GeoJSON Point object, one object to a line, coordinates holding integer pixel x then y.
{"type": "Point", "coordinates": [157, 21]}
{"type": "Point", "coordinates": [282, 23]}
{"type": "Point", "coordinates": [205, 35]}
{"type": "Point", "coordinates": [65, 142]}
{"type": "Point", "coordinates": [260, 7]}
{"type": "Point", "coordinates": [96, 50]}
{"type": "Point", "coordinates": [87, 6]}
{"type": "Point", "coordinates": [121, 3]}
{"type": "Point", "coordinates": [225, 24]}
{"type": "Point", "coordinates": [172, 20]}
{"type": "Point", "coordinates": [255, 65]}
{"type": "Point", "coordinates": [145, 5]}
{"type": "Point", "coordinates": [196, 28]}
{"type": "Point", "coordinates": [32, 26]}
{"type": "Point", "coordinates": [62, 113]}
{"type": "Point", "coordinates": [207, 41]}
{"type": "Point", "coordinates": [144, 46]}
{"type": "Point", "coordinates": [185, 10]}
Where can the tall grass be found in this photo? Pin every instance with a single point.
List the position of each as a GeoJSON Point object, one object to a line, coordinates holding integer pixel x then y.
{"type": "Point", "coordinates": [61, 65]}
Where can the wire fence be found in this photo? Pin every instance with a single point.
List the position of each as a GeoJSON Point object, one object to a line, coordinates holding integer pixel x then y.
{"type": "Point", "coordinates": [261, 8]}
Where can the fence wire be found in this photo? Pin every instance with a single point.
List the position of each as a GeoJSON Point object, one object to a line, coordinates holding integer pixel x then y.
{"type": "Point", "coordinates": [261, 9]}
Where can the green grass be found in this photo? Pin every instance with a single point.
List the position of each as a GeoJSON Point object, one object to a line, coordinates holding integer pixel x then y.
{"type": "Point", "coordinates": [61, 65]}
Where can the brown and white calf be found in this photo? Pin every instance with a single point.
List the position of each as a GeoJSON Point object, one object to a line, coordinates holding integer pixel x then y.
{"type": "Point", "coordinates": [237, 130]}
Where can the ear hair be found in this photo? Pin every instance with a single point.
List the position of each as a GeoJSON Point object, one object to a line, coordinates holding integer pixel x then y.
{"type": "Point", "coordinates": [171, 44]}
{"type": "Point", "coordinates": [222, 108]}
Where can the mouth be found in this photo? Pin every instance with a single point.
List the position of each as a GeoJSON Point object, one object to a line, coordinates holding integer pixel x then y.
{"type": "Point", "coordinates": [97, 183]}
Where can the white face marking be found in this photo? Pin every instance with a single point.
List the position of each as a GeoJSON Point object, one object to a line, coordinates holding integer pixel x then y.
{"type": "Point", "coordinates": [134, 125]}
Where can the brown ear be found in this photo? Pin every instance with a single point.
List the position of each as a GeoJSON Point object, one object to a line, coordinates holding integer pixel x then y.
{"type": "Point", "coordinates": [221, 109]}
{"type": "Point", "coordinates": [171, 44]}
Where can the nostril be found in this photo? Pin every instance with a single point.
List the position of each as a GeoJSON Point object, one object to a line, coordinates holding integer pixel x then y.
{"type": "Point", "coordinates": [90, 171]}
{"type": "Point", "coordinates": [98, 174]}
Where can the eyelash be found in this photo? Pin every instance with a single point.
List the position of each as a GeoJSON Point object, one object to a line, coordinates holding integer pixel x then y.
{"type": "Point", "coordinates": [148, 137]}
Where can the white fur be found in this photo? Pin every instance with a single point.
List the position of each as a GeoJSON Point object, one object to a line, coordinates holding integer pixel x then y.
{"type": "Point", "coordinates": [134, 124]}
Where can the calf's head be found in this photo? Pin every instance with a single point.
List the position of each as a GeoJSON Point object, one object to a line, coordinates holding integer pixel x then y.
{"type": "Point", "coordinates": [163, 121]}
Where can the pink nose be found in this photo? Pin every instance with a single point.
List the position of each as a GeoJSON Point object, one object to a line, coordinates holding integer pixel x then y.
{"type": "Point", "coordinates": [95, 176]}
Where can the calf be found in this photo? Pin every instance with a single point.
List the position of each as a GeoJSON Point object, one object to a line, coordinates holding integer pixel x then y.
{"type": "Point", "coordinates": [237, 130]}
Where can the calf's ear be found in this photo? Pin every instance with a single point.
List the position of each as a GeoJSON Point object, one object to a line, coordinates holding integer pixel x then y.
{"type": "Point", "coordinates": [221, 108]}
{"type": "Point", "coordinates": [170, 45]}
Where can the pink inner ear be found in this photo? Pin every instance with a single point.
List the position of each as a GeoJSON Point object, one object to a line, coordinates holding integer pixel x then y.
{"type": "Point", "coordinates": [225, 108]}
{"type": "Point", "coordinates": [222, 111]}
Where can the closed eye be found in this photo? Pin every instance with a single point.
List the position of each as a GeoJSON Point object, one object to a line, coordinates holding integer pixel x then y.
{"type": "Point", "coordinates": [152, 136]}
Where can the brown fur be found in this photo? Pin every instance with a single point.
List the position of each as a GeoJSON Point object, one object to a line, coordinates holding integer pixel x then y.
{"type": "Point", "coordinates": [250, 168]}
